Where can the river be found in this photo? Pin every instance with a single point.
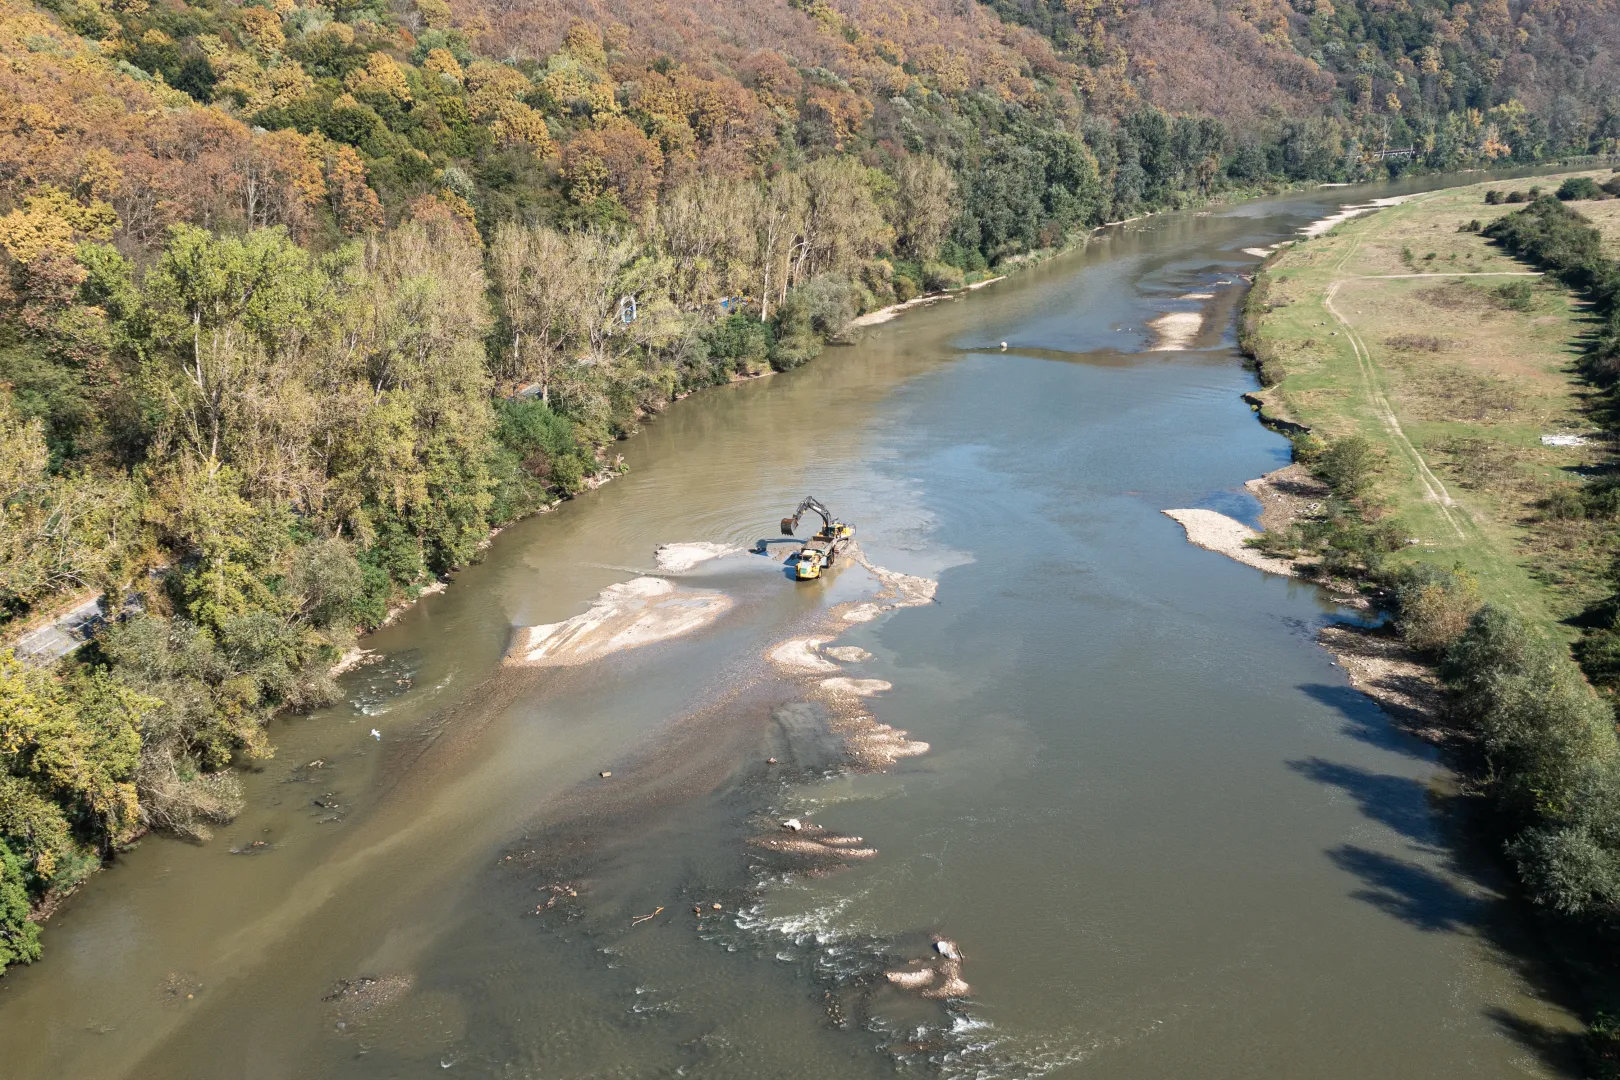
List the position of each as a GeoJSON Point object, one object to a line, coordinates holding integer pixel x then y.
{"type": "Point", "coordinates": [1162, 833]}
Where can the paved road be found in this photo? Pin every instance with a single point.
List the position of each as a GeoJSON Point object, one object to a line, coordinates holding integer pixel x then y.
{"type": "Point", "coordinates": [66, 632]}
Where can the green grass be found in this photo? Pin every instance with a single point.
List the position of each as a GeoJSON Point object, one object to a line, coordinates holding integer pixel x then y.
{"type": "Point", "coordinates": [1482, 371]}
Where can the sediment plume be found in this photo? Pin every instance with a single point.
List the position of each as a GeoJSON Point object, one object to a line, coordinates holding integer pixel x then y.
{"type": "Point", "coordinates": [633, 613]}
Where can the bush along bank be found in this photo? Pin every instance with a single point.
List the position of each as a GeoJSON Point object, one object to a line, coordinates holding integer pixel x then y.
{"type": "Point", "coordinates": [1536, 734]}
{"type": "Point", "coordinates": [1532, 738]}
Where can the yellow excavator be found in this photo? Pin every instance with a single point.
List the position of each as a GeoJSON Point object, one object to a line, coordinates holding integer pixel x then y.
{"type": "Point", "coordinates": [818, 552]}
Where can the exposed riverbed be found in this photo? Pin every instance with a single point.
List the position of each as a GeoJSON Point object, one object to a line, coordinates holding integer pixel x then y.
{"type": "Point", "coordinates": [1034, 787]}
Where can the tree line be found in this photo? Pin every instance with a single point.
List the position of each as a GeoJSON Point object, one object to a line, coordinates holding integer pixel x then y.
{"type": "Point", "coordinates": [1537, 718]}
{"type": "Point", "coordinates": [298, 301]}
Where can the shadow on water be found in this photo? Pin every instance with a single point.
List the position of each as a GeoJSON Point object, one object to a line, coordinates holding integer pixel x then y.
{"type": "Point", "coordinates": [1456, 884]}
{"type": "Point", "coordinates": [1398, 802]}
{"type": "Point", "coordinates": [1365, 722]}
{"type": "Point", "coordinates": [1409, 891]}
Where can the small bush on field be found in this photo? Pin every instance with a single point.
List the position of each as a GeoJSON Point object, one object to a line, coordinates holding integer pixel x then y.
{"type": "Point", "coordinates": [1482, 464]}
{"type": "Point", "coordinates": [1516, 197]}
{"type": "Point", "coordinates": [1493, 198]}
{"type": "Point", "coordinates": [1516, 295]}
{"type": "Point", "coordinates": [1418, 343]}
{"type": "Point", "coordinates": [1566, 502]}
{"type": "Point", "coordinates": [1579, 187]}
{"type": "Point", "coordinates": [1471, 226]}
{"type": "Point", "coordinates": [1351, 466]}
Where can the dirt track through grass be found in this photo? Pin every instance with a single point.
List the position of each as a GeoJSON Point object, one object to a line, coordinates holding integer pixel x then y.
{"type": "Point", "coordinates": [1454, 377]}
{"type": "Point", "coordinates": [1375, 397]}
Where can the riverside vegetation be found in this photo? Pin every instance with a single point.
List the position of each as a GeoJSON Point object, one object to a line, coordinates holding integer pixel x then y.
{"type": "Point", "coordinates": [298, 301]}
{"type": "Point", "coordinates": [1506, 579]}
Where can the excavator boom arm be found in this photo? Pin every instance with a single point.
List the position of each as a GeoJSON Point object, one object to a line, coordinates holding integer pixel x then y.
{"type": "Point", "coordinates": [810, 503]}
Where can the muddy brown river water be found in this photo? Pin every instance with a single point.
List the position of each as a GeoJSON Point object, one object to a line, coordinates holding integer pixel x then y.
{"type": "Point", "coordinates": [1157, 832]}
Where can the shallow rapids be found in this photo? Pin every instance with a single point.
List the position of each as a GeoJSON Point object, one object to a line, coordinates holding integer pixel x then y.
{"type": "Point", "coordinates": [1029, 786]}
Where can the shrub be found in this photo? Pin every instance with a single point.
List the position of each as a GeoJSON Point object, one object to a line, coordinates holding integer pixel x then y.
{"type": "Point", "coordinates": [1516, 295]}
{"type": "Point", "coordinates": [1351, 466]}
{"type": "Point", "coordinates": [741, 342]}
{"type": "Point", "coordinates": [1516, 197]}
{"type": "Point", "coordinates": [545, 444]}
{"type": "Point", "coordinates": [939, 276]}
{"type": "Point", "coordinates": [1493, 198]}
{"type": "Point", "coordinates": [1495, 640]}
{"type": "Point", "coordinates": [1579, 187]}
{"type": "Point", "coordinates": [1571, 869]}
{"type": "Point", "coordinates": [329, 580]}
{"type": "Point", "coordinates": [796, 339]}
{"type": "Point", "coordinates": [1434, 606]}
{"type": "Point", "coordinates": [19, 937]}
{"type": "Point", "coordinates": [1566, 502]}
{"type": "Point", "coordinates": [830, 301]}
{"type": "Point", "coordinates": [904, 288]}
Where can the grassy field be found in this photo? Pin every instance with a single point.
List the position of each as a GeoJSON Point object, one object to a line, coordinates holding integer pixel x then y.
{"type": "Point", "coordinates": [1407, 327]}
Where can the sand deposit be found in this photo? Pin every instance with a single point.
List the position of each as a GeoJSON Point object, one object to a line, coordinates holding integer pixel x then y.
{"type": "Point", "coordinates": [1177, 329]}
{"type": "Point", "coordinates": [872, 745]}
{"type": "Point", "coordinates": [852, 654]}
{"type": "Point", "coordinates": [1326, 225]}
{"type": "Point", "coordinates": [624, 616]}
{"type": "Point", "coordinates": [800, 654]}
{"type": "Point", "coordinates": [679, 558]}
{"type": "Point", "coordinates": [1196, 296]}
{"type": "Point", "coordinates": [1384, 668]}
{"type": "Point", "coordinates": [1228, 536]}
{"type": "Point", "coordinates": [905, 590]}
{"type": "Point", "coordinates": [883, 315]}
{"type": "Point", "coordinates": [937, 978]}
{"type": "Point", "coordinates": [862, 612]}
{"type": "Point", "coordinates": [842, 686]}
{"type": "Point", "coordinates": [911, 980]}
{"type": "Point", "coordinates": [811, 847]}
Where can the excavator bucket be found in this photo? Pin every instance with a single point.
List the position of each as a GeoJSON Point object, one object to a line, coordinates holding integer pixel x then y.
{"type": "Point", "coordinates": [787, 526]}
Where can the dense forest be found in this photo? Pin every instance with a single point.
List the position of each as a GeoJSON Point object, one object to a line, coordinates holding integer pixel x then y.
{"type": "Point", "coordinates": [298, 302]}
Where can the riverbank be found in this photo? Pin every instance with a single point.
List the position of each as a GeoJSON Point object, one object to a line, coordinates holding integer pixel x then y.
{"type": "Point", "coordinates": [1433, 381]}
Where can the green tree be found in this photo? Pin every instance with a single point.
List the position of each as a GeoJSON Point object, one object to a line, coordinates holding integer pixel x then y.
{"type": "Point", "coordinates": [19, 936]}
{"type": "Point", "coordinates": [68, 756]}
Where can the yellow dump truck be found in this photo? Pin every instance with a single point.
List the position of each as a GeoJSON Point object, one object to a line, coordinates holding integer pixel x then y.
{"type": "Point", "coordinates": [820, 551]}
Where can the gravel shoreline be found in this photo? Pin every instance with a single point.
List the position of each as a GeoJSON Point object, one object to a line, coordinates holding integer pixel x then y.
{"type": "Point", "coordinates": [1375, 661]}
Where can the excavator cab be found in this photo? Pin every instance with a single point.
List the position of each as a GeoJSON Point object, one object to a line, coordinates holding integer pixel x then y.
{"type": "Point", "coordinates": [821, 550]}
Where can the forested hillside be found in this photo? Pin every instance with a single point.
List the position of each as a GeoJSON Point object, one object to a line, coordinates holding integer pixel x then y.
{"type": "Point", "coordinates": [297, 302]}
